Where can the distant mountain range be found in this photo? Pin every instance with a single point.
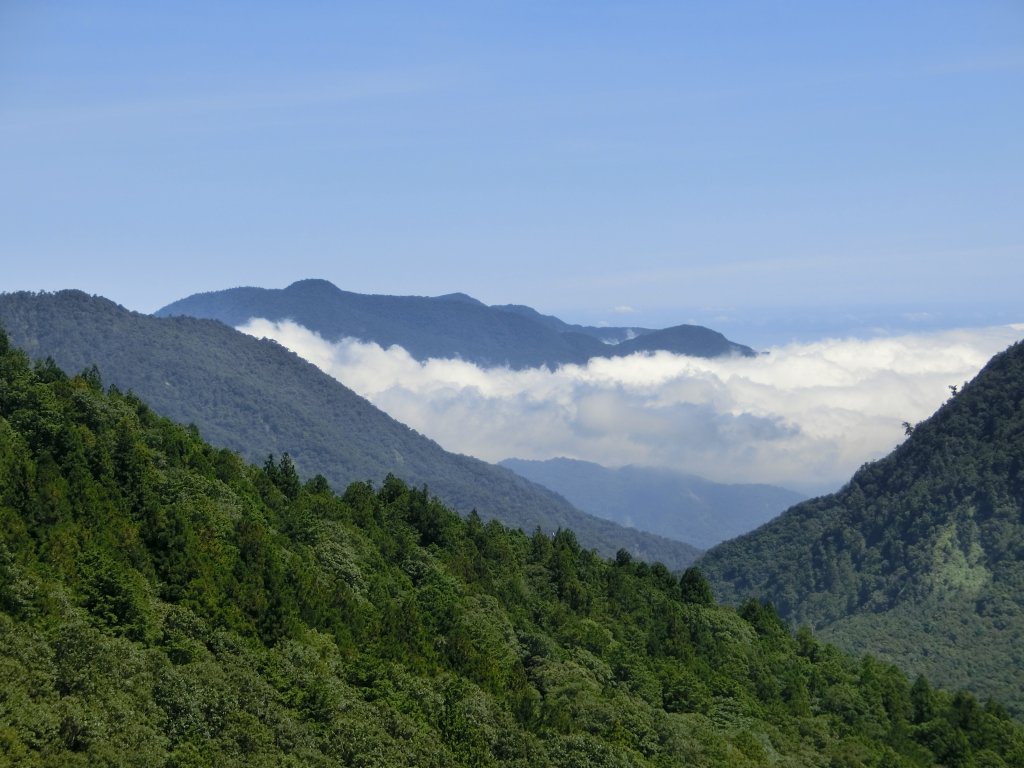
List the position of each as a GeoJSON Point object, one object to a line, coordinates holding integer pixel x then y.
{"type": "Point", "coordinates": [453, 325]}
{"type": "Point", "coordinates": [672, 504]}
{"type": "Point", "coordinates": [919, 559]}
{"type": "Point", "coordinates": [258, 398]}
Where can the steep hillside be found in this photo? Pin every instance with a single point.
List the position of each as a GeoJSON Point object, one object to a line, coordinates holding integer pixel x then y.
{"type": "Point", "coordinates": [258, 398]}
{"type": "Point", "coordinates": [164, 604]}
{"type": "Point", "coordinates": [681, 507]}
{"type": "Point", "coordinates": [920, 557]}
{"type": "Point", "coordinates": [454, 325]}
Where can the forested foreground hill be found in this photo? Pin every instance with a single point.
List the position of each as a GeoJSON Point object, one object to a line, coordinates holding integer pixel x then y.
{"type": "Point", "coordinates": [164, 604]}
{"type": "Point", "coordinates": [256, 397]}
{"type": "Point", "coordinates": [920, 557]}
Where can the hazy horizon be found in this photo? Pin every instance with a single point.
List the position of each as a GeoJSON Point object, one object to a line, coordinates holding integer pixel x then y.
{"type": "Point", "coordinates": [758, 327]}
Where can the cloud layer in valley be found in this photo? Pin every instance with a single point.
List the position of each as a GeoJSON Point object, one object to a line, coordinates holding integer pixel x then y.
{"type": "Point", "coordinates": [801, 415]}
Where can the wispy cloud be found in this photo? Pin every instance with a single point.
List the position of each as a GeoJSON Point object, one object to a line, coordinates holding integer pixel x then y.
{"type": "Point", "coordinates": [340, 89]}
{"type": "Point", "coordinates": [803, 415]}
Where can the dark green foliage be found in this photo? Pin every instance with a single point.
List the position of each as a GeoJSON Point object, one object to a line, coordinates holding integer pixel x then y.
{"type": "Point", "coordinates": [919, 559]}
{"type": "Point", "coordinates": [257, 398]}
{"type": "Point", "coordinates": [694, 588]}
{"type": "Point", "coordinates": [182, 608]}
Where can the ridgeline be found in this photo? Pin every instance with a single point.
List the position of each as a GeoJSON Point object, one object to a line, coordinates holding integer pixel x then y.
{"type": "Point", "coordinates": [682, 507]}
{"type": "Point", "coordinates": [454, 325]}
{"type": "Point", "coordinates": [256, 397]}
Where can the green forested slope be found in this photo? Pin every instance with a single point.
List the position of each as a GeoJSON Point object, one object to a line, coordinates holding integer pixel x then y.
{"type": "Point", "coordinates": [164, 604]}
{"type": "Point", "coordinates": [258, 398]}
{"type": "Point", "coordinates": [920, 558]}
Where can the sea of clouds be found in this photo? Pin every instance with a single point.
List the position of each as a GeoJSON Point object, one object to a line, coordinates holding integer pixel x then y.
{"type": "Point", "coordinates": [801, 415]}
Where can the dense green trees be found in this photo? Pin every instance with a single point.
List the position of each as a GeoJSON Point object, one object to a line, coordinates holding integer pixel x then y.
{"type": "Point", "coordinates": [919, 559]}
{"type": "Point", "coordinates": [163, 603]}
{"type": "Point", "coordinates": [258, 398]}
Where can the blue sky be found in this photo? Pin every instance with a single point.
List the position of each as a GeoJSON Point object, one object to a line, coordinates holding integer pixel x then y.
{"type": "Point", "coordinates": [767, 168]}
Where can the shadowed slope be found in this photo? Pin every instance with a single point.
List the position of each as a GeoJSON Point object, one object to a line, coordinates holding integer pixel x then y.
{"type": "Point", "coordinates": [256, 397]}
{"type": "Point", "coordinates": [920, 557]}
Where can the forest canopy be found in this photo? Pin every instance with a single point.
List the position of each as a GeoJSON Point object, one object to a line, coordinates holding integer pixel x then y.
{"type": "Point", "coordinates": [162, 602]}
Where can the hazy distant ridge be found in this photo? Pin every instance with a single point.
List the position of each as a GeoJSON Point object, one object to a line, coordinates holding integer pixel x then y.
{"type": "Point", "coordinates": [453, 325]}
{"type": "Point", "coordinates": [682, 507]}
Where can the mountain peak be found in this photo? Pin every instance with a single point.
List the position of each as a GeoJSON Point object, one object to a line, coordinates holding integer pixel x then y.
{"type": "Point", "coordinates": [313, 284]}
{"type": "Point", "coordinates": [465, 298]}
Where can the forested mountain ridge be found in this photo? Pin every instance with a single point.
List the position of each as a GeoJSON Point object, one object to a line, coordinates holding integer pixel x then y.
{"type": "Point", "coordinates": [920, 557]}
{"type": "Point", "coordinates": [256, 397]}
{"type": "Point", "coordinates": [672, 504]}
{"type": "Point", "coordinates": [164, 604]}
{"type": "Point", "coordinates": [454, 325]}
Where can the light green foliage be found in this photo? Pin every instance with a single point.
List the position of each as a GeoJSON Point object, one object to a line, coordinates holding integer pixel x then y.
{"type": "Point", "coordinates": [958, 562]}
{"type": "Point", "coordinates": [164, 604]}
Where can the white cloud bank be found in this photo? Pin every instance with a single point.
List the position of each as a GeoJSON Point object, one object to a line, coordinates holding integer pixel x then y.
{"type": "Point", "coordinates": [803, 415]}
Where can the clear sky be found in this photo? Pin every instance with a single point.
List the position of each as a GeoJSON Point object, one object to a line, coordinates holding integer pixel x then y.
{"type": "Point", "coordinates": [740, 164]}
